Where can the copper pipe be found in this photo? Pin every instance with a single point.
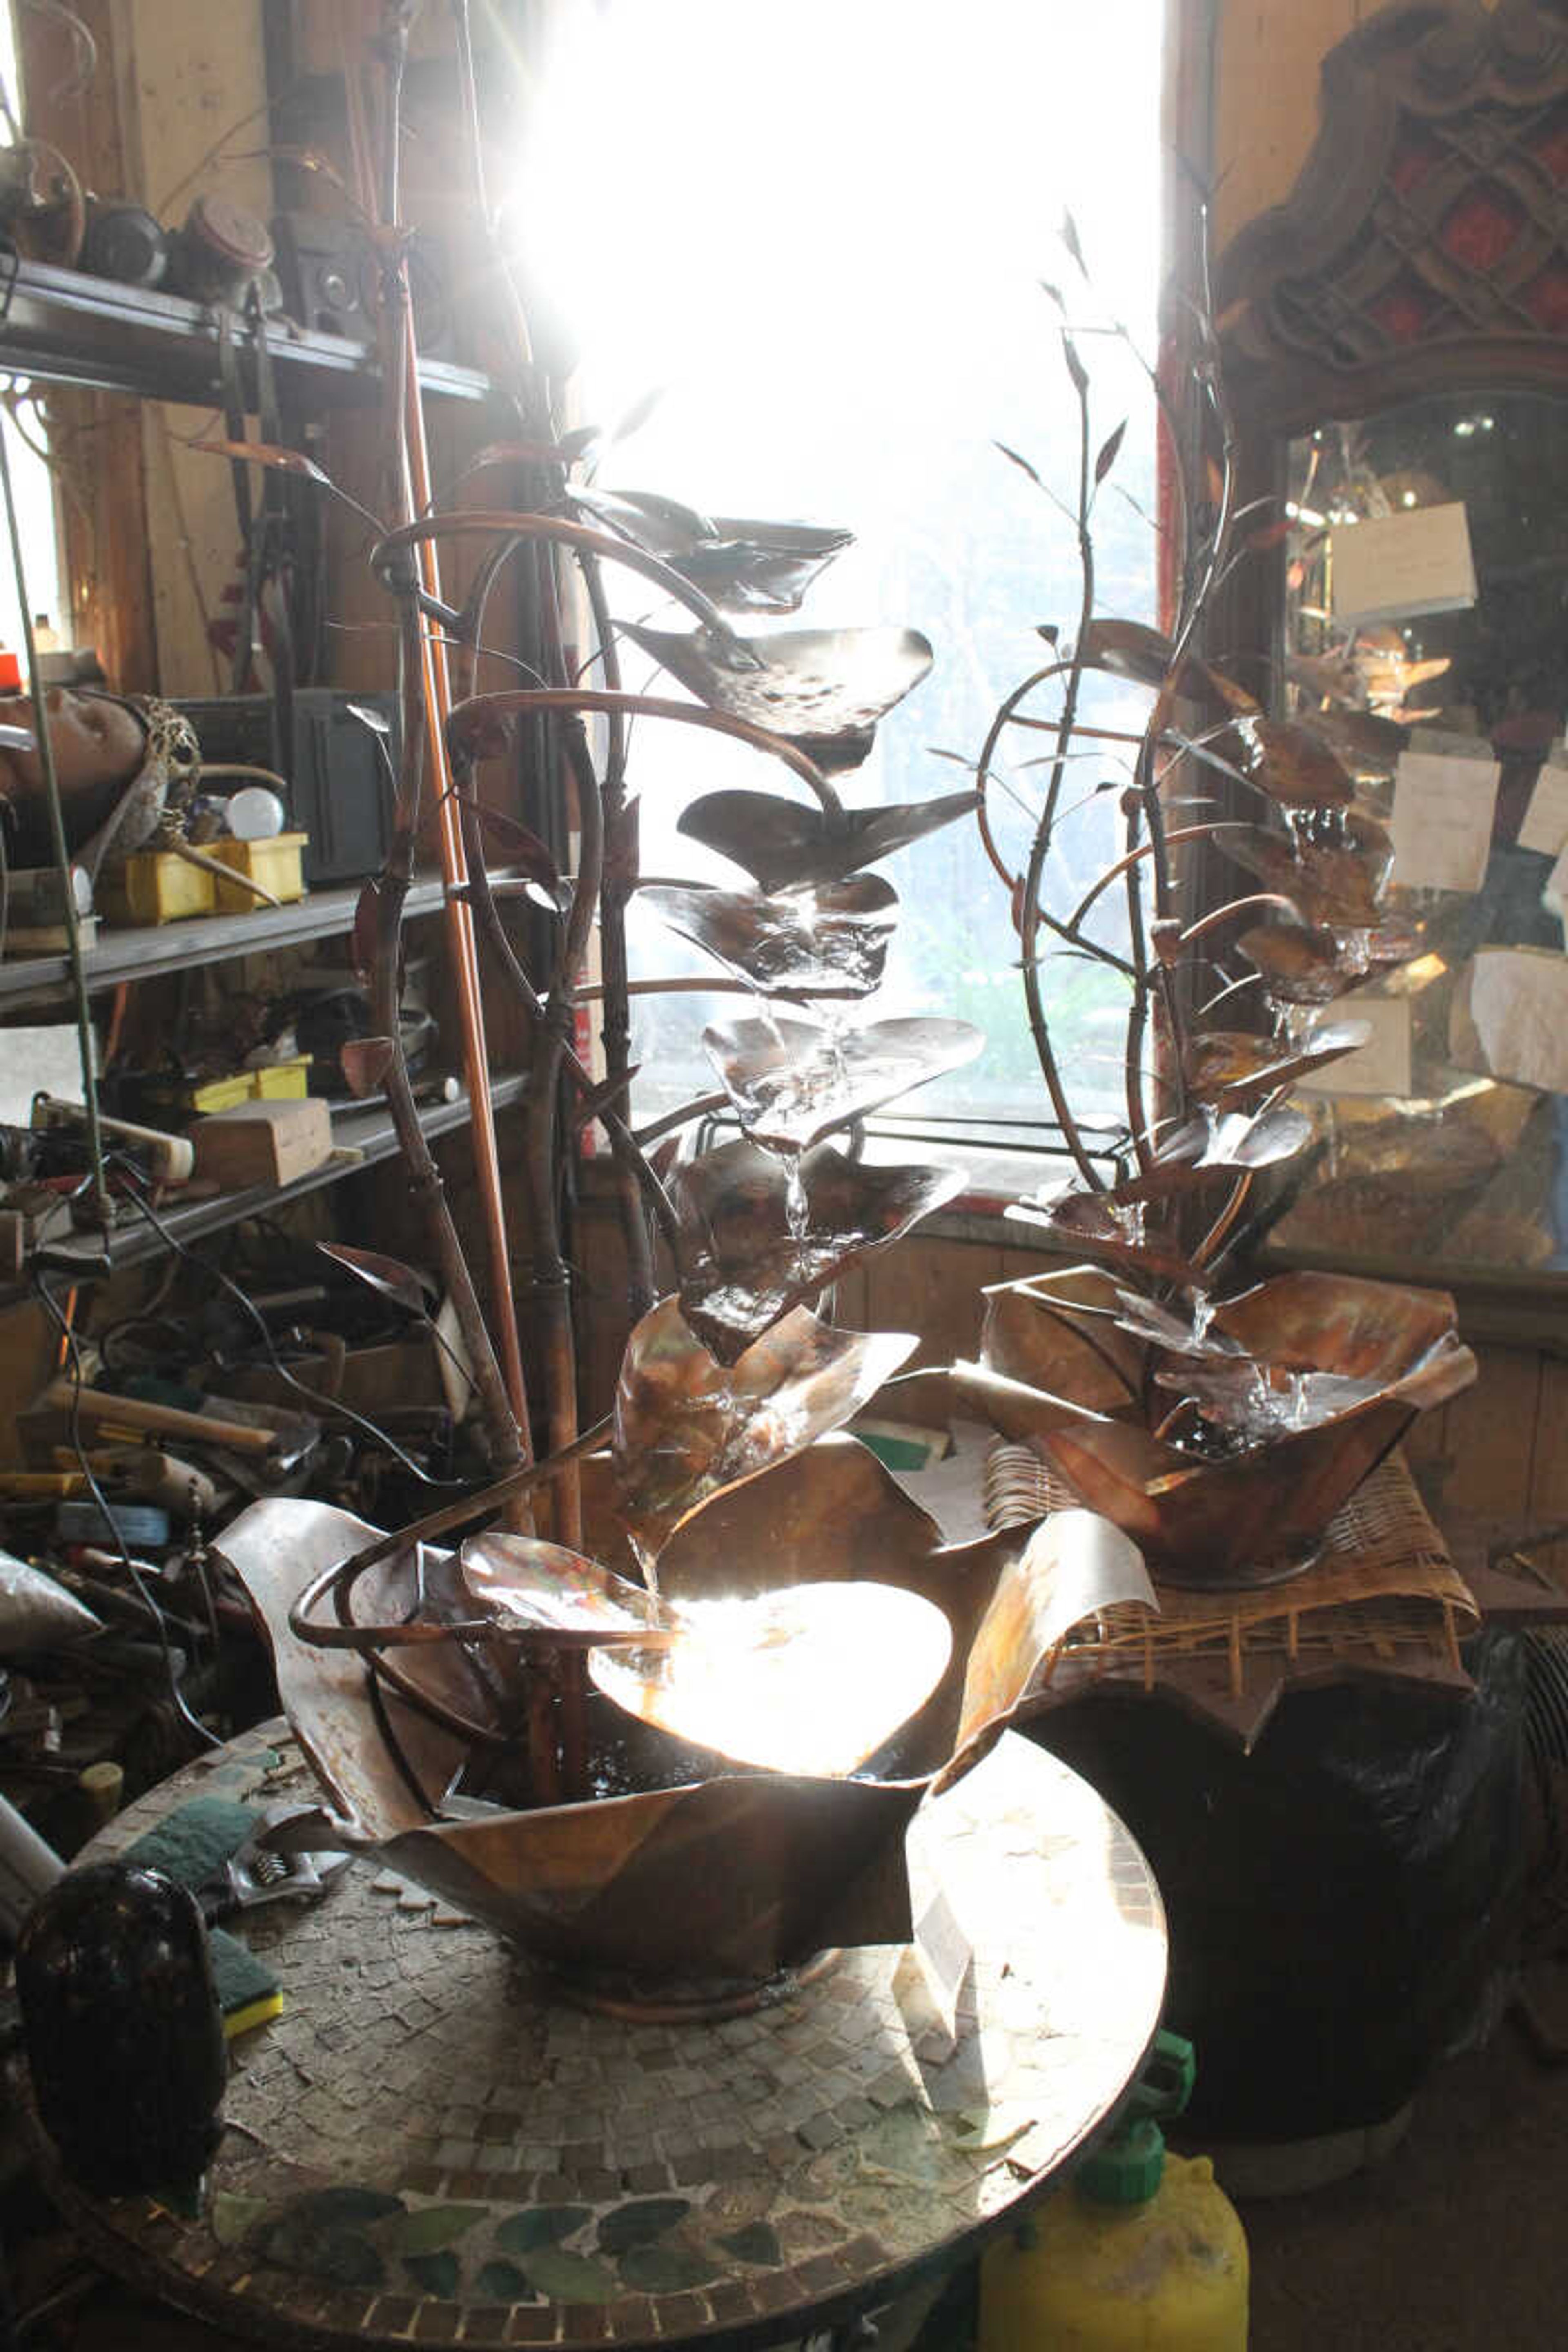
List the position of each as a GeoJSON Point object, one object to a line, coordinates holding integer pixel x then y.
{"type": "Point", "coordinates": [460, 923]}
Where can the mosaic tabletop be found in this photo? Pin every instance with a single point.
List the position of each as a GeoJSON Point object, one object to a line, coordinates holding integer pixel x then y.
{"type": "Point", "coordinates": [427, 2148]}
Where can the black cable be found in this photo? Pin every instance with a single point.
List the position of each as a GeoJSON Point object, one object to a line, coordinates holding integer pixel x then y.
{"type": "Point", "coordinates": [51, 1309]}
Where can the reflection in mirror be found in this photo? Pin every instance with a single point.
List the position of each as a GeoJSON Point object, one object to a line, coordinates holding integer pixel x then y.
{"type": "Point", "coordinates": [1427, 582]}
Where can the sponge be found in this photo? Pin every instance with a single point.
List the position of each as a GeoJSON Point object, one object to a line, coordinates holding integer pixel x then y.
{"type": "Point", "coordinates": [188, 1847]}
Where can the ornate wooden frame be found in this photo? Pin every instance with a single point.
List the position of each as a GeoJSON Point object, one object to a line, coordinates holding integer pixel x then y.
{"type": "Point", "coordinates": [1425, 245]}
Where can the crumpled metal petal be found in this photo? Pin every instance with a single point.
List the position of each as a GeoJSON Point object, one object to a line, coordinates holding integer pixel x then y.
{"type": "Point", "coordinates": [1133, 649]}
{"type": "Point", "coordinates": [1360, 1358]}
{"type": "Point", "coordinates": [792, 1081]}
{"type": "Point", "coordinates": [789, 844]}
{"type": "Point", "coordinates": [388, 1276]}
{"type": "Point", "coordinates": [748, 1256]}
{"type": "Point", "coordinates": [1300, 965]}
{"type": "Point", "coordinates": [36, 1613]}
{"type": "Point", "coordinates": [1292, 763]}
{"type": "Point", "coordinates": [824, 690]}
{"type": "Point", "coordinates": [1332, 881]}
{"type": "Point", "coordinates": [1234, 1065]}
{"type": "Point", "coordinates": [740, 563]}
{"type": "Point", "coordinates": [558, 1596]}
{"type": "Point", "coordinates": [1234, 1140]}
{"type": "Point", "coordinates": [828, 942]}
{"type": "Point", "coordinates": [687, 1426]}
{"type": "Point", "coordinates": [1106, 1228]}
{"type": "Point", "coordinates": [814, 1678]}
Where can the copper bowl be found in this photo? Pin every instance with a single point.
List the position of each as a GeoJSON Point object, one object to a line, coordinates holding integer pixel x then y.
{"type": "Point", "coordinates": [703, 1871]}
{"type": "Point", "coordinates": [1099, 1400]}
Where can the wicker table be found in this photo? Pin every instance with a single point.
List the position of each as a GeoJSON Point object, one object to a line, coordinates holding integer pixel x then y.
{"type": "Point", "coordinates": [425, 2148]}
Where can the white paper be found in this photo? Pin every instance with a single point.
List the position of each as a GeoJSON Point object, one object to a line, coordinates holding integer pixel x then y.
{"type": "Point", "coordinates": [1519, 1003]}
{"type": "Point", "coordinates": [1545, 825]}
{"type": "Point", "coordinates": [1402, 565]}
{"type": "Point", "coordinates": [1442, 820]}
{"type": "Point", "coordinates": [38, 1061]}
{"type": "Point", "coordinates": [1381, 1066]}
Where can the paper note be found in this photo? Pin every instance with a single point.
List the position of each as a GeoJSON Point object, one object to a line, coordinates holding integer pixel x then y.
{"type": "Point", "coordinates": [1442, 820]}
{"type": "Point", "coordinates": [38, 1061]}
{"type": "Point", "coordinates": [1545, 825]}
{"type": "Point", "coordinates": [1519, 1003]}
{"type": "Point", "coordinates": [1402, 565]}
{"type": "Point", "coordinates": [1381, 1066]}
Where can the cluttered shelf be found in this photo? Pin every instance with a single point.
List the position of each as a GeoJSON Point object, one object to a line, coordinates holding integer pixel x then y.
{"type": "Point", "coordinates": [65, 327]}
{"type": "Point", "coordinates": [143, 951]}
{"type": "Point", "coordinates": [362, 1135]}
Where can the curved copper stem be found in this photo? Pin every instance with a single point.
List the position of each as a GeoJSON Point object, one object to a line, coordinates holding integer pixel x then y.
{"type": "Point", "coordinates": [337, 1580]}
{"type": "Point", "coordinates": [468, 721]}
{"type": "Point", "coordinates": [488, 522]}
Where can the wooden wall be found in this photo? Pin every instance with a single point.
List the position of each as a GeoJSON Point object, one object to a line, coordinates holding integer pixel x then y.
{"type": "Point", "coordinates": [1267, 57]}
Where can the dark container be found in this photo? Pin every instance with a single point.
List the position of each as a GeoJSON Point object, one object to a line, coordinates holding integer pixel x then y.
{"type": "Point", "coordinates": [123, 2035]}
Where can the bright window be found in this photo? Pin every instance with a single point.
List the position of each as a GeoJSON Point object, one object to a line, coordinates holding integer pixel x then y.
{"type": "Point", "coordinates": [822, 230]}
{"type": "Point", "coordinates": [30, 476]}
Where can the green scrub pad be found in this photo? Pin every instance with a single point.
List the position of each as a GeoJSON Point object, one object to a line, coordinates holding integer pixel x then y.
{"type": "Point", "coordinates": [188, 1847]}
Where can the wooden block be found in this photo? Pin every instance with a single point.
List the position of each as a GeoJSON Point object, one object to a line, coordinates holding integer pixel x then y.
{"type": "Point", "coordinates": [262, 1142]}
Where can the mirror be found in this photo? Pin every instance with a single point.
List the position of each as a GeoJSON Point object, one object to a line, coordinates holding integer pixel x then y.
{"type": "Point", "coordinates": [1396, 347]}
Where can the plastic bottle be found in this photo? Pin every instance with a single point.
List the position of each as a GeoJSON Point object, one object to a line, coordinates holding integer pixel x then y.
{"type": "Point", "coordinates": [1142, 2252]}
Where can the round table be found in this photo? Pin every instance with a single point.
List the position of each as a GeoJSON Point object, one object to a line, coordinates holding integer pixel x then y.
{"type": "Point", "coordinates": [425, 2148]}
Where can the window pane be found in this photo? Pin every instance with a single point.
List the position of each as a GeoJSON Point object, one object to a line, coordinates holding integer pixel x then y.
{"type": "Point", "coordinates": [30, 477]}
{"type": "Point", "coordinates": [822, 234]}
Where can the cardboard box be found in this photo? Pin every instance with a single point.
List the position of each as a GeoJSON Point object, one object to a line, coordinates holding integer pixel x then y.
{"type": "Point", "coordinates": [262, 1142]}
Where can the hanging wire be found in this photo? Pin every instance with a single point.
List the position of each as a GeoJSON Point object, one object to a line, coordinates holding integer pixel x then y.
{"type": "Point", "coordinates": [334, 1406]}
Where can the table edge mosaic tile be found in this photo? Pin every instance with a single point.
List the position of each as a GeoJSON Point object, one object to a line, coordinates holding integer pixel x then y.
{"type": "Point", "coordinates": [427, 2147]}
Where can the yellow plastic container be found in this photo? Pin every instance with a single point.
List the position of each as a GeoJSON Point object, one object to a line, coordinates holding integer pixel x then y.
{"type": "Point", "coordinates": [153, 885]}
{"type": "Point", "coordinates": [278, 865]}
{"type": "Point", "coordinates": [282, 1081]}
{"type": "Point", "coordinates": [219, 1094]}
{"type": "Point", "coordinates": [1167, 2276]}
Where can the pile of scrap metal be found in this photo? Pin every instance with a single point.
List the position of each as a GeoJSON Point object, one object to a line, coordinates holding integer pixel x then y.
{"type": "Point", "coordinates": [324, 1379]}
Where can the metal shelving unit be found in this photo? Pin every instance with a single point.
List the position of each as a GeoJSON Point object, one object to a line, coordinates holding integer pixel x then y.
{"type": "Point", "coordinates": [65, 327]}
{"type": "Point", "coordinates": [149, 951]}
{"type": "Point", "coordinates": [362, 1134]}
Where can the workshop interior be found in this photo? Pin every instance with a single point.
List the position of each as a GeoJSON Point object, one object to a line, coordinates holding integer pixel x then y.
{"type": "Point", "coordinates": [783, 1174]}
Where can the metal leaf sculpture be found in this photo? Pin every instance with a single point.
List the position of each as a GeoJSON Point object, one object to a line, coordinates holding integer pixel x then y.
{"type": "Point", "coordinates": [823, 689]}
{"type": "Point", "coordinates": [1220, 1432]}
{"type": "Point", "coordinates": [711, 1781]}
{"type": "Point", "coordinates": [1333, 876]}
{"type": "Point", "coordinates": [831, 942]}
{"type": "Point", "coordinates": [792, 1081]}
{"type": "Point", "coordinates": [687, 1426]}
{"type": "Point", "coordinates": [758, 1236]}
{"type": "Point", "coordinates": [1225, 1453]}
{"type": "Point", "coordinates": [785, 845]}
{"type": "Point", "coordinates": [692, 1870]}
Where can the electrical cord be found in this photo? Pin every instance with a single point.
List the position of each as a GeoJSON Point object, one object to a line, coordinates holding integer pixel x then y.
{"type": "Point", "coordinates": [51, 1308]}
{"type": "Point", "coordinates": [331, 1405]}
